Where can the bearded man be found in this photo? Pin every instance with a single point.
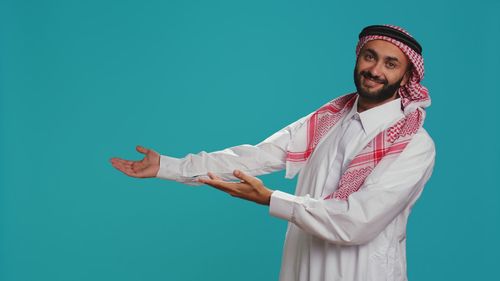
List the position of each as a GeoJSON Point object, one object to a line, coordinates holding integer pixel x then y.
{"type": "Point", "coordinates": [362, 161]}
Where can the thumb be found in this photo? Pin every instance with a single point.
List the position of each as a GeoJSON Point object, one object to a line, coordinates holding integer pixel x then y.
{"type": "Point", "coordinates": [141, 149]}
{"type": "Point", "coordinates": [242, 176]}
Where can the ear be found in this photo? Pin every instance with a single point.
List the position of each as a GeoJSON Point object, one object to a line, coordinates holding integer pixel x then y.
{"type": "Point", "coordinates": [406, 77]}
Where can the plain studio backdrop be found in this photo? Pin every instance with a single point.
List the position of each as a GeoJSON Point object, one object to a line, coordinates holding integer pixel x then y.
{"type": "Point", "coordinates": [83, 81]}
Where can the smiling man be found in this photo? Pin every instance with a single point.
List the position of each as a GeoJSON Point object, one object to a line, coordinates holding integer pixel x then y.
{"type": "Point", "coordinates": [362, 161]}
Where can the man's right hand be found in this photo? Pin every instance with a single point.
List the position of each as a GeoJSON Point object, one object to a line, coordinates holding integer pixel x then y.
{"type": "Point", "coordinates": [146, 168]}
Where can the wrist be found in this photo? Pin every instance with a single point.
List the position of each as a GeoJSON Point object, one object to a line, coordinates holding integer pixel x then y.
{"type": "Point", "coordinates": [267, 197]}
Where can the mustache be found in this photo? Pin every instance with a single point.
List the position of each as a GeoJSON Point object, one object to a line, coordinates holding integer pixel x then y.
{"type": "Point", "coordinates": [377, 79]}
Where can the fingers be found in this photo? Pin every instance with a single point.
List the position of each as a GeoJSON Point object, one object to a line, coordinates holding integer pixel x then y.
{"type": "Point", "coordinates": [214, 177]}
{"type": "Point", "coordinates": [121, 161]}
{"type": "Point", "coordinates": [124, 167]}
{"type": "Point", "coordinates": [228, 187]}
{"type": "Point", "coordinates": [244, 177]}
{"type": "Point", "coordinates": [120, 164]}
{"type": "Point", "coordinates": [141, 149]}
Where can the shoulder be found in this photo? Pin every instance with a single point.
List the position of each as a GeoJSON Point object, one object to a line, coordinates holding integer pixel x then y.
{"type": "Point", "coordinates": [416, 160]}
{"type": "Point", "coordinates": [421, 143]}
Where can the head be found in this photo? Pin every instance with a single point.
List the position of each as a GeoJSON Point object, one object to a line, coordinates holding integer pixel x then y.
{"type": "Point", "coordinates": [389, 64]}
{"type": "Point", "coordinates": [381, 69]}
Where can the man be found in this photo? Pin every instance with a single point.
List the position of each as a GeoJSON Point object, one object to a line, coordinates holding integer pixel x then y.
{"type": "Point", "coordinates": [362, 161]}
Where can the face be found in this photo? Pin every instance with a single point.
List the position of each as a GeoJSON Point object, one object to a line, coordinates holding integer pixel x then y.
{"type": "Point", "coordinates": [381, 68]}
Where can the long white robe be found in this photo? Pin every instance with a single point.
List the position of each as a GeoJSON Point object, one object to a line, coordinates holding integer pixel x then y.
{"type": "Point", "coordinates": [363, 238]}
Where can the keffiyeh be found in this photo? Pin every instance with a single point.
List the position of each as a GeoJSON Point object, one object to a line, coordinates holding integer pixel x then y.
{"type": "Point", "coordinates": [393, 140]}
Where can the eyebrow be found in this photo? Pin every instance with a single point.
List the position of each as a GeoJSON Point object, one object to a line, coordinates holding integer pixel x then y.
{"type": "Point", "coordinates": [371, 51]}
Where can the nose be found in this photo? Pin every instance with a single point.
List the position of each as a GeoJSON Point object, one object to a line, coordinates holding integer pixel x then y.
{"type": "Point", "coordinates": [376, 69]}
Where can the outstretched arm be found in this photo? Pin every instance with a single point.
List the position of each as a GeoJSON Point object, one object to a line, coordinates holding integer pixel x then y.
{"type": "Point", "coordinates": [263, 158]}
{"type": "Point", "coordinates": [396, 186]}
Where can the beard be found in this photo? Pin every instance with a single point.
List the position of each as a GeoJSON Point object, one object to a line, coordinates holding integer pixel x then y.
{"type": "Point", "coordinates": [387, 91]}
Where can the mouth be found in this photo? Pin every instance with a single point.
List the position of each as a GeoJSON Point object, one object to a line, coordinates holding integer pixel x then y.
{"type": "Point", "coordinates": [370, 82]}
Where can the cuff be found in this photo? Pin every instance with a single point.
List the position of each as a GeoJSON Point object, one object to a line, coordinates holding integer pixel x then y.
{"type": "Point", "coordinates": [169, 168]}
{"type": "Point", "coordinates": [281, 205]}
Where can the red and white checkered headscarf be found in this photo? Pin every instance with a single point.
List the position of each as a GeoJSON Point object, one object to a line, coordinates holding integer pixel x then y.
{"type": "Point", "coordinates": [391, 141]}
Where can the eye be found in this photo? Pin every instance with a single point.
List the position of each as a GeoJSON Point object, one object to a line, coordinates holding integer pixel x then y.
{"type": "Point", "coordinates": [369, 57]}
{"type": "Point", "coordinates": [390, 65]}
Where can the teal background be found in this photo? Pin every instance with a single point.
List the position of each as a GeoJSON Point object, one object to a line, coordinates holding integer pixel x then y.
{"type": "Point", "coordinates": [82, 81]}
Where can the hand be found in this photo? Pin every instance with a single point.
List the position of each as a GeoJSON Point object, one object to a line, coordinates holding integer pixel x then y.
{"type": "Point", "coordinates": [145, 168]}
{"type": "Point", "coordinates": [249, 188]}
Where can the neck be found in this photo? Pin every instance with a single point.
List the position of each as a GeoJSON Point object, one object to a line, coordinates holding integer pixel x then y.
{"type": "Point", "coordinates": [366, 104]}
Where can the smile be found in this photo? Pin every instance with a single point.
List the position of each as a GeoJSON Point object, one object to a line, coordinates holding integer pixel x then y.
{"type": "Point", "coordinates": [371, 82]}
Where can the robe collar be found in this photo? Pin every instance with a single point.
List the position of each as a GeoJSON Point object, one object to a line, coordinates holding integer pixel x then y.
{"type": "Point", "coordinates": [377, 118]}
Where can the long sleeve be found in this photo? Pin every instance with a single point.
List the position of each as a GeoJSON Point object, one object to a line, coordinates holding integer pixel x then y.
{"type": "Point", "coordinates": [394, 185]}
{"type": "Point", "coordinates": [263, 158]}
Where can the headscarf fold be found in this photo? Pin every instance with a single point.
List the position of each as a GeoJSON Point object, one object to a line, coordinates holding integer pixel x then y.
{"type": "Point", "coordinates": [391, 141]}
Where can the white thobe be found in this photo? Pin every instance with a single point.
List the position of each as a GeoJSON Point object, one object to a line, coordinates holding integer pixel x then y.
{"type": "Point", "coordinates": [363, 238]}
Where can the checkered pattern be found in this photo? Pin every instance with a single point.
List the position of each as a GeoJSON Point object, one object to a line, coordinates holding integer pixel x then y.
{"type": "Point", "coordinates": [392, 141]}
{"type": "Point", "coordinates": [388, 142]}
{"type": "Point", "coordinates": [320, 123]}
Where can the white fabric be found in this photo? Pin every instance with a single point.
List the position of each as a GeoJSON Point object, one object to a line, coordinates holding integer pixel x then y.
{"type": "Point", "coordinates": [363, 238]}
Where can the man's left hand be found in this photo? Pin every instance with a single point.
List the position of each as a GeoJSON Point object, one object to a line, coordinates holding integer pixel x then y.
{"type": "Point", "coordinates": [249, 188]}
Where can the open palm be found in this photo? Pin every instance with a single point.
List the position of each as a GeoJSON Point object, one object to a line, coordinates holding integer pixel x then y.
{"type": "Point", "coordinates": [146, 168]}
